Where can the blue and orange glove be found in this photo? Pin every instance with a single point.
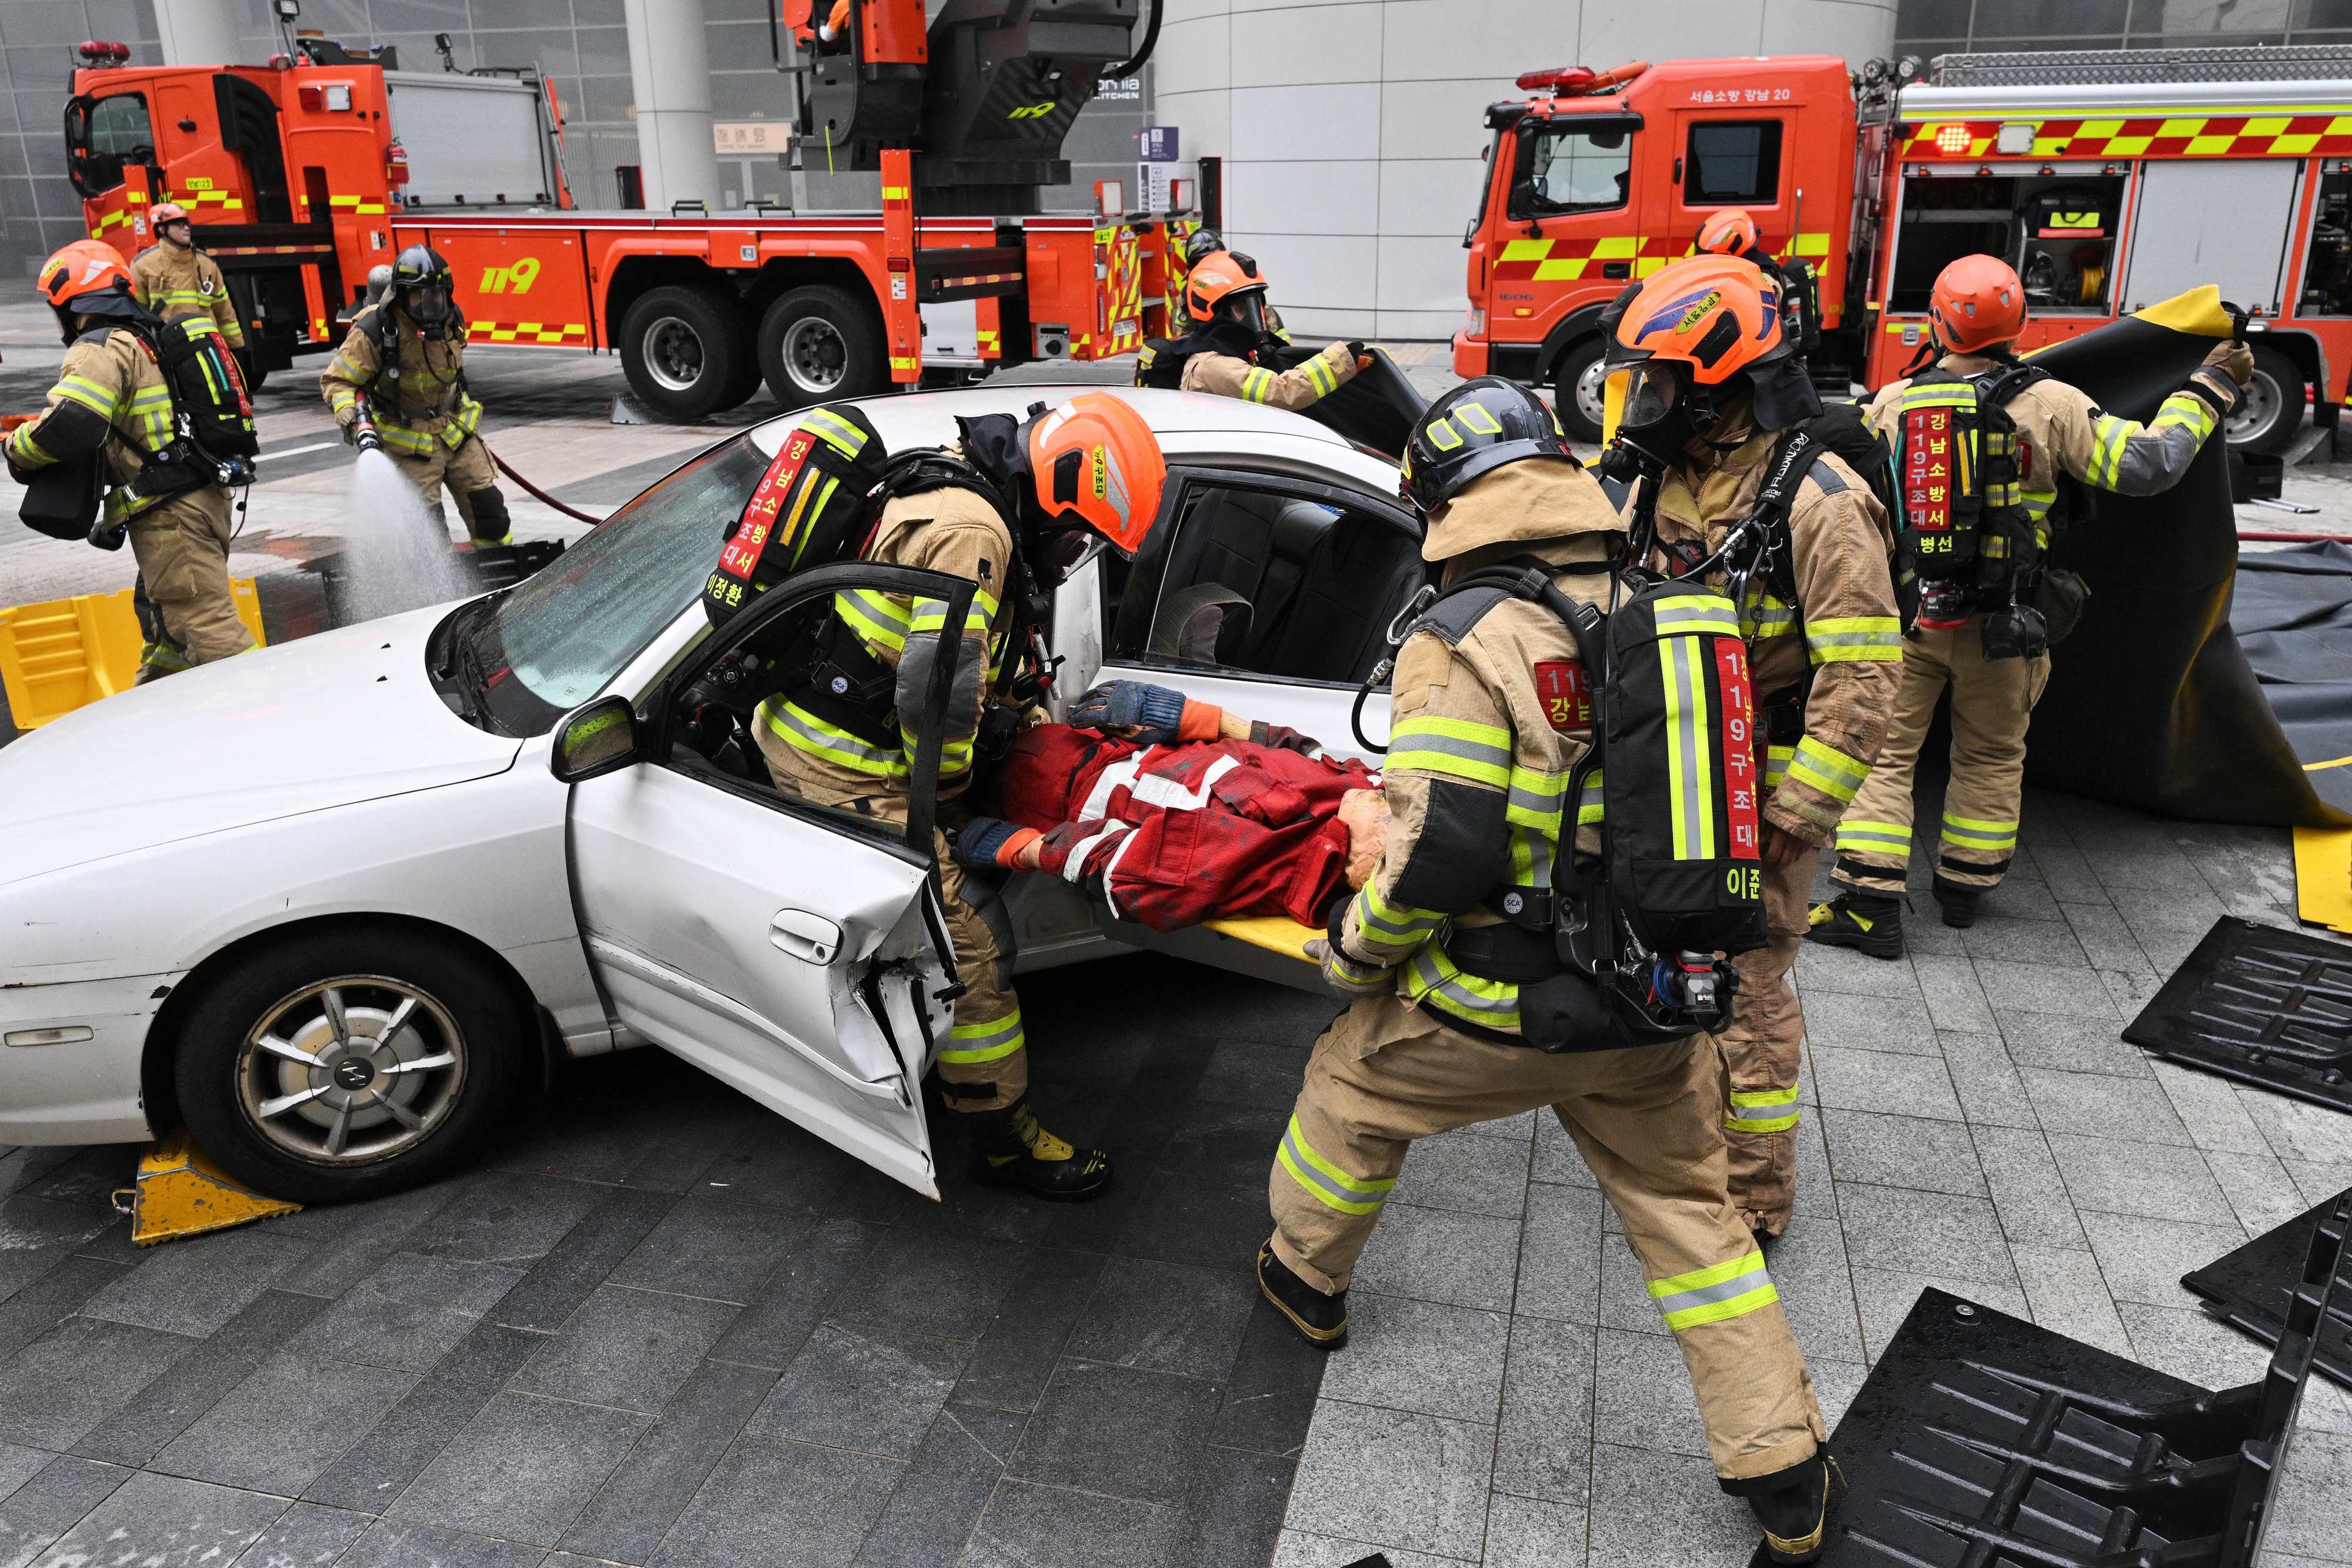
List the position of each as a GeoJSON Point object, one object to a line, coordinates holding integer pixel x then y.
{"type": "Point", "coordinates": [989, 843]}
{"type": "Point", "coordinates": [1154, 716]}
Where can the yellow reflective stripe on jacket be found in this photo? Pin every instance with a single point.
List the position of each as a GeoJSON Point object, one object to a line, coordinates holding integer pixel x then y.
{"type": "Point", "coordinates": [1974, 833]}
{"type": "Point", "coordinates": [1533, 799]}
{"type": "Point", "coordinates": [813, 737]}
{"type": "Point", "coordinates": [1257, 386]}
{"type": "Point", "coordinates": [1855, 637]}
{"type": "Point", "coordinates": [880, 620]}
{"type": "Point", "coordinates": [1384, 924]}
{"type": "Point", "coordinates": [1326, 1182]}
{"type": "Point", "coordinates": [1452, 748]}
{"type": "Point", "coordinates": [2185, 408]}
{"type": "Point", "coordinates": [837, 432]}
{"type": "Point", "coordinates": [1589, 806]}
{"type": "Point", "coordinates": [932, 615]}
{"type": "Point", "coordinates": [1827, 770]}
{"type": "Point", "coordinates": [101, 400]}
{"type": "Point", "coordinates": [972, 1042]}
{"type": "Point", "coordinates": [462, 423]}
{"type": "Point", "coordinates": [1762, 1110]}
{"type": "Point", "coordinates": [2109, 436]}
{"type": "Point", "coordinates": [403, 438]}
{"type": "Point", "coordinates": [1767, 617]}
{"type": "Point", "coordinates": [1874, 837]}
{"type": "Point", "coordinates": [1731, 1290]}
{"type": "Point", "coordinates": [1690, 746]}
{"type": "Point", "coordinates": [1431, 976]}
{"type": "Point", "coordinates": [25, 450]}
{"type": "Point", "coordinates": [1532, 851]}
{"type": "Point", "coordinates": [1319, 371]}
{"type": "Point", "coordinates": [1776, 763]}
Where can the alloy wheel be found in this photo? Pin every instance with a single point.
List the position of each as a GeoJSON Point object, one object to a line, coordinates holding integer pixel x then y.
{"type": "Point", "coordinates": [352, 1069]}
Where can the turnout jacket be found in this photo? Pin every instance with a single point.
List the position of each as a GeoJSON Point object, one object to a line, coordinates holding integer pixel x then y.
{"type": "Point", "coordinates": [419, 399]}
{"type": "Point", "coordinates": [952, 530]}
{"type": "Point", "coordinates": [1226, 375]}
{"type": "Point", "coordinates": [1843, 630]}
{"type": "Point", "coordinates": [176, 283]}
{"type": "Point", "coordinates": [110, 399]}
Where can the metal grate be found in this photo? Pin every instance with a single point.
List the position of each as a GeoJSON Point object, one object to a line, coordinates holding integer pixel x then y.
{"type": "Point", "coordinates": [2260, 1005]}
{"type": "Point", "coordinates": [2085, 67]}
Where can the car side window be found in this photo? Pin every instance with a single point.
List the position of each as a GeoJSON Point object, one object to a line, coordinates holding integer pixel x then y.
{"type": "Point", "coordinates": [1733, 162]}
{"type": "Point", "coordinates": [1264, 581]}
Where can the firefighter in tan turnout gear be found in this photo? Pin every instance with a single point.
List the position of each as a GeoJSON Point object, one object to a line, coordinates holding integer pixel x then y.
{"type": "Point", "coordinates": [174, 279]}
{"type": "Point", "coordinates": [1711, 387]}
{"type": "Point", "coordinates": [112, 405]}
{"type": "Point", "coordinates": [1490, 712]}
{"type": "Point", "coordinates": [1990, 648]}
{"type": "Point", "coordinates": [1225, 301]}
{"type": "Point", "coordinates": [402, 370]}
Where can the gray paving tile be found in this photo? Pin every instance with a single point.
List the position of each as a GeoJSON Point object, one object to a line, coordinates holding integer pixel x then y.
{"type": "Point", "coordinates": [2045, 942]}
{"type": "Point", "coordinates": [1647, 1511]}
{"type": "Point", "coordinates": [1433, 1255]}
{"type": "Point", "coordinates": [1869, 1023]}
{"type": "Point", "coordinates": [875, 1390]}
{"type": "Point", "coordinates": [708, 1247]}
{"type": "Point", "coordinates": [1302, 1549]}
{"type": "Point", "coordinates": [1544, 1445]}
{"type": "Point", "coordinates": [1522, 1533]}
{"type": "Point", "coordinates": [2132, 990]}
{"type": "Point", "coordinates": [284, 1425]}
{"type": "Point", "coordinates": [1843, 970]}
{"type": "Point", "coordinates": [629, 1349]}
{"type": "Point", "coordinates": [770, 1332]}
{"type": "Point", "coordinates": [193, 1287]}
{"type": "Point", "coordinates": [305, 1536]}
{"type": "Point", "coordinates": [2104, 936]}
{"type": "Point", "coordinates": [1625, 1301]}
{"type": "Point", "coordinates": [626, 1521]}
{"type": "Point", "coordinates": [196, 1382]}
{"type": "Point", "coordinates": [1394, 1480]}
{"type": "Point", "coordinates": [75, 1376]}
{"type": "Point", "coordinates": [1809, 1268]}
{"type": "Point", "coordinates": [2028, 1193]}
{"type": "Point", "coordinates": [1559, 1253]}
{"type": "Point", "coordinates": [932, 1514]}
{"type": "Point", "coordinates": [1010, 1366]}
{"type": "Point", "coordinates": [2022, 898]}
{"type": "Point", "coordinates": [1881, 1080]}
{"type": "Point", "coordinates": [1902, 1151]}
{"type": "Point", "coordinates": [1117, 1431]}
{"type": "Point", "coordinates": [1556, 1159]}
{"type": "Point", "coordinates": [582, 1261]}
{"type": "Point", "coordinates": [349, 1239]}
{"type": "Point", "coordinates": [163, 1522]}
{"type": "Point", "coordinates": [506, 1217]}
{"type": "Point", "coordinates": [19, 1465]}
{"type": "Point", "coordinates": [774, 1501]}
{"type": "Point", "coordinates": [2317, 1183]}
{"type": "Point", "coordinates": [1985, 1078]}
{"type": "Point", "coordinates": [1835, 1383]}
{"type": "Point", "coordinates": [409, 1313]}
{"type": "Point", "coordinates": [2298, 1131]}
{"type": "Point", "coordinates": [2308, 1511]}
{"type": "Point", "coordinates": [406, 1543]}
{"type": "Point", "coordinates": [1889, 1229]}
{"type": "Point", "coordinates": [923, 1283]}
{"type": "Point", "coordinates": [2062, 1044]}
{"type": "Point", "coordinates": [2044, 988]}
{"type": "Point", "coordinates": [1044, 1527]}
{"type": "Point", "coordinates": [1167, 1317]}
{"type": "Point", "coordinates": [48, 1298]}
{"type": "Point", "coordinates": [1520, 1128]}
{"type": "Point", "coordinates": [2096, 1106]}
{"type": "Point", "coordinates": [2189, 1344]}
{"type": "Point", "coordinates": [396, 1449]}
{"type": "Point", "coordinates": [1234, 1513]}
{"type": "Point", "coordinates": [1269, 1398]}
{"type": "Point", "coordinates": [2118, 1177]}
{"type": "Point", "coordinates": [2143, 1258]}
{"type": "Point", "coordinates": [1885, 1299]}
{"type": "Point", "coordinates": [1471, 1174]}
{"type": "Point", "coordinates": [1641, 1395]}
{"type": "Point", "coordinates": [2261, 1193]}
{"type": "Point", "coordinates": [2069, 1295]}
{"type": "Point", "coordinates": [1416, 1355]}
{"type": "Point", "coordinates": [522, 1469]}
{"type": "Point", "coordinates": [776, 1164]}
{"type": "Point", "coordinates": [1955, 998]}
{"type": "Point", "coordinates": [53, 1502]}
{"type": "Point", "coordinates": [2210, 1108]}
{"type": "Point", "coordinates": [1248, 1073]}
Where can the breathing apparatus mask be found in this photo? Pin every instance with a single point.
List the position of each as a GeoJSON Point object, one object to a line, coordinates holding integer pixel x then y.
{"type": "Point", "coordinates": [429, 304]}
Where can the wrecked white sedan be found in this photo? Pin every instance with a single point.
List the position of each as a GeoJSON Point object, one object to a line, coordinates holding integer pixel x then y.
{"type": "Point", "coordinates": [329, 904]}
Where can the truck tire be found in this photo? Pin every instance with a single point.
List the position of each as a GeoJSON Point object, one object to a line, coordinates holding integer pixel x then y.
{"type": "Point", "coordinates": [343, 1130]}
{"type": "Point", "coordinates": [818, 344]}
{"type": "Point", "coordinates": [2270, 409]}
{"type": "Point", "coordinates": [683, 348]}
{"type": "Point", "coordinates": [1576, 389]}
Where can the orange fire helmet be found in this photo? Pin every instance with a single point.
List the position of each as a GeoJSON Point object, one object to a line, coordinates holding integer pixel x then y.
{"type": "Point", "coordinates": [1730, 232]}
{"type": "Point", "coordinates": [169, 212]}
{"type": "Point", "coordinates": [1976, 303]}
{"type": "Point", "coordinates": [85, 266]}
{"type": "Point", "coordinates": [1717, 315]}
{"type": "Point", "coordinates": [1217, 277]}
{"type": "Point", "coordinates": [1094, 460]}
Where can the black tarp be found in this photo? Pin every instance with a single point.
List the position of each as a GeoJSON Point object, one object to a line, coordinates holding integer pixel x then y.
{"type": "Point", "coordinates": [1374, 408]}
{"type": "Point", "coordinates": [2152, 702]}
{"type": "Point", "coordinates": [2293, 621]}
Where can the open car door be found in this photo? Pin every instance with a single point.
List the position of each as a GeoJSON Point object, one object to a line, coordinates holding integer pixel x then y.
{"type": "Point", "coordinates": [797, 952]}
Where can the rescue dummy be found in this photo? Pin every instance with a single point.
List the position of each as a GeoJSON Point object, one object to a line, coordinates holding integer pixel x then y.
{"type": "Point", "coordinates": [111, 421]}
{"type": "Point", "coordinates": [1225, 301]}
{"type": "Point", "coordinates": [1712, 390]}
{"type": "Point", "coordinates": [400, 380]}
{"type": "Point", "coordinates": [1989, 609]}
{"type": "Point", "coordinates": [1451, 953]}
{"type": "Point", "coordinates": [175, 280]}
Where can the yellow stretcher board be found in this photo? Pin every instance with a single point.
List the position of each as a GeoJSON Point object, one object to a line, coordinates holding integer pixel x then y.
{"type": "Point", "coordinates": [1274, 932]}
{"type": "Point", "coordinates": [64, 653]}
{"type": "Point", "coordinates": [2323, 877]}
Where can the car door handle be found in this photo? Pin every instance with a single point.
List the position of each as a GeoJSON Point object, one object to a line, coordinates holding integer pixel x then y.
{"type": "Point", "coordinates": [804, 936]}
{"type": "Point", "coordinates": [1616, 269]}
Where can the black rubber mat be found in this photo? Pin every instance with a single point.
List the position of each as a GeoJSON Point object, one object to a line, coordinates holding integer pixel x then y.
{"type": "Point", "coordinates": [1979, 1440]}
{"type": "Point", "coordinates": [2260, 1005]}
{"type": "Point", "coordinates": [2250, 1288]}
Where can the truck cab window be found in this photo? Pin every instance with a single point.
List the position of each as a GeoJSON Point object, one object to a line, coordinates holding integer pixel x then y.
{"type": "Point", "coordinates": [2057, 230]}
{"type": "Point", "coordinates": [1733, 162]}
{"type": "Point", "coordinates": [2327, 269]}
{"type": "Point", "coordinates": [1569, 168]}
{"type": "Point", "coordinates": [103, 134]}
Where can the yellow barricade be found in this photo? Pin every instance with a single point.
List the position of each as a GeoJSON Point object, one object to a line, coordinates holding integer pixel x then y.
{"type": "Point", "coordinates": [61, 654]}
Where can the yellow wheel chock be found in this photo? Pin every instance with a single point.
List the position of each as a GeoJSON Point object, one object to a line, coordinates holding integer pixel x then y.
{"type": "Point", "coordinates": [180, 1193]}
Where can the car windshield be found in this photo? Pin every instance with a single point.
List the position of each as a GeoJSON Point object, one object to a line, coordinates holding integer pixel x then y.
{"type": "Point", "coordinates": [561, 636]}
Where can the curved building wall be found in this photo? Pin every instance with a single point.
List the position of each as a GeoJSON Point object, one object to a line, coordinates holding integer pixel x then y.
{"type": "Point", "coordinates": [1351, 134]}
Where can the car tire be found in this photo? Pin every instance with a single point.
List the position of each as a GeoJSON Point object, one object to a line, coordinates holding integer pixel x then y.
{"type": "Point", "coordinates": [685, 351]}
{"type": "Point", "coordinates": [2270, 407]}
{"type": "Point", "coordinates": [456, 1014]}
{"type": "Point", "coordinates": [818, 344]}
{"type": "Point", "coordinates": [1577, 390]}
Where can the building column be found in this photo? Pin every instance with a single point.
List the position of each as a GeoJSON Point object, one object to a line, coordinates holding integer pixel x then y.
{"type": "Point", "coordinates": [669, 69]}
{"type": "Point", "coordinates": [199, 32]}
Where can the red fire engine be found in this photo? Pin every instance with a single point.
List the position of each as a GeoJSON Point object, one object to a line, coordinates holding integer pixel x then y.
{"type": "Point", "coordinates": [306, 173]}
{"type": "Point", "coordinates": [2110, 180]}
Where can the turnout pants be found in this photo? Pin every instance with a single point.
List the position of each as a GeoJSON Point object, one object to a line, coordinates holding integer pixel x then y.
{"type": "Point", "coordinates": [1758, 1049]}
{"type": "Point", "coordinates": [1648, 1123]}
{"type": "Point", "coordinates": [1992, 702]}
{"type": "Point", "coordinates": [187, 613]}
{"type": "Point", "coordinates": [473, 480]}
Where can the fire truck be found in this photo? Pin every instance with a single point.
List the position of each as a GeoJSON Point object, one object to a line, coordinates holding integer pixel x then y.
{"type": "Point", "coordinates": [2110, 180]}
{"type": "Point", "coordinates": [306, 173]}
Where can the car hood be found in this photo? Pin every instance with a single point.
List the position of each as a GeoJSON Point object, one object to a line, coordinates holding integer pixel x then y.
{"type": "Point", "coordinates": [331, 720]}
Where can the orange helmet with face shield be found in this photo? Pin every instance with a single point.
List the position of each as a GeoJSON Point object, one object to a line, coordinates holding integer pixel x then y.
{"type": "Point", "coordinates": [168, 212]}
{"type": "Point", "coordinates": [85, 266]}
{"type": "Point", "coordinates": [1094, 461]}
{"type": "Point", "coordinates": [1217, 277]}
{"type": "Point", "coordinates": [1976, 303]}
{"type": "Point", "coordinates": [1730, 232]}
{"type": "Point", "coordinates": [1699, 331]}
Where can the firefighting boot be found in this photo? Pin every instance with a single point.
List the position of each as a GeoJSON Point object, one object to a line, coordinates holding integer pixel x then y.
{"type": "Point", "coordinates": [1793, 1505]}
{"type": "Point", "coordinates": [1958, 903]}
{"type": "Point", "coordinates": [1010, 1149]}
{"type": "Point", "coordinates": [1322, 1319]}
{"type": "Point", "coordinates": [1859, 921]}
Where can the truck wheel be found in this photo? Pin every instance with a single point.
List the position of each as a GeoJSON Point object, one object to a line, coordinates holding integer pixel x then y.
{"type": "Point", "coordinates": [818, 343]}
{"type": "Point", "coordinates": [349, 1064]}
{"type": "Point", "coordinates": [1576, 390]}
{"type": "Point", "coordinates": [682, 349]}
{"type": "Point", "coordinates": [2270, 409]}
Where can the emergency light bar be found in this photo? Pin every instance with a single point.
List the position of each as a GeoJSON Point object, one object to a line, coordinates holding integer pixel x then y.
{"type": "Point", "coordinates": [1576, 82]}
{"type": "Point", "coordinates": [101, 52]}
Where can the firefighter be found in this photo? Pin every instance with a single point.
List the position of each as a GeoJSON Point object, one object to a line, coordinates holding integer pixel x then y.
{"type": "Point", "coordinates": [175, 280]}
{"type": "Point", "coordinates": [1712, 384]}
{"type": "Point", "coordinates": [1225, 299]}
{"type": "Point", "coordinates": [1731, 232]}
{"type": "Point", "coordinates": [1976, 311]}
{"type": "Point", "coordinates": [402, 368]}
{"type": "Point", "coordinates": [1055, 489]}
{"type": "Point", "coordinates": [1479, 758]}
{"type": "Point", "coordinates": [112, 405]}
